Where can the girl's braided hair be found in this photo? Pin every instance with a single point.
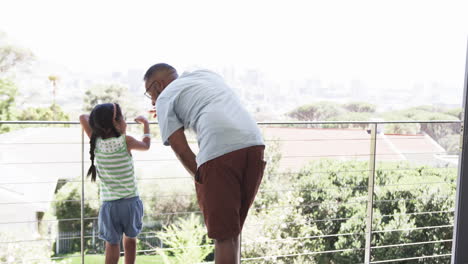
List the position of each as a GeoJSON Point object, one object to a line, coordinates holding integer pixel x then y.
{"type": "Point", "coordinates": [101, 121]}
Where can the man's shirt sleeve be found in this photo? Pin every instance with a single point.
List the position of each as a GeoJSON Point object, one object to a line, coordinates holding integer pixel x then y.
{"type": "Point", "coordinates": [167, 118]}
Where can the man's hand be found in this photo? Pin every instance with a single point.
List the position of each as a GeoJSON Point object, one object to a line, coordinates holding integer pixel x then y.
{"type": "Point", "coordinates": [153, 112]}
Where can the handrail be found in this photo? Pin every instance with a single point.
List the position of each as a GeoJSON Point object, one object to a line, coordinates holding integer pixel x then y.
{"type": "Point", "coordinates": [259, 123]}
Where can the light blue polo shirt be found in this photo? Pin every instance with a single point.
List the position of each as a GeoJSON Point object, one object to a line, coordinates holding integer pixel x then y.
{"type": "Point", "coordinates": [203, 102]}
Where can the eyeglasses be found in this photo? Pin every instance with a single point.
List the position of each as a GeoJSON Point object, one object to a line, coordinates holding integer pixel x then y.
{"type": "Point", "coordinates": [147, 94]}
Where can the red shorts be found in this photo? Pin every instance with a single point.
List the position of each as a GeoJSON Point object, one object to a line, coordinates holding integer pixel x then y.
{"type": "Point", "coordinates": [226, 188]}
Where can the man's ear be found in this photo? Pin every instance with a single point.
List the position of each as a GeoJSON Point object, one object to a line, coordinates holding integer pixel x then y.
{"type": "Point", "coordinates": [163, 83]}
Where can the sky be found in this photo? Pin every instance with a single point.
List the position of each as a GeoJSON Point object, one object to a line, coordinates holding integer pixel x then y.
{"type": "Point", "coordinates": [380, 42]}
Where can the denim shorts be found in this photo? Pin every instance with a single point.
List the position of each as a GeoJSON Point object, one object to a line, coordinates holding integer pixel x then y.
{"type": "Point", "coordinates": [123, 216]}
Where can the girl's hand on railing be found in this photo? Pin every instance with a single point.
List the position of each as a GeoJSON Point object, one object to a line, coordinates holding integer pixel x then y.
{"type": "Point", "coordinates": [141, 120]}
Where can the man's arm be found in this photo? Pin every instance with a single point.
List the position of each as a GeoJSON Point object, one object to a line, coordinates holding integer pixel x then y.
{"type": "Point", "coordinates": [84, 121]}
{"type": "Point", "coordinates": [182, 150]}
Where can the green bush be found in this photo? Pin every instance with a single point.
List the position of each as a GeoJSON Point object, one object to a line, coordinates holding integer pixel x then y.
{"type": "Point", "coordinates": [330, 197]}
{"type": "Point", "coordinates": [186, 240]}
{"type": "Point", "coordinates": [68, 206]}
{"type": "Point", "coordinates": [34, 252]}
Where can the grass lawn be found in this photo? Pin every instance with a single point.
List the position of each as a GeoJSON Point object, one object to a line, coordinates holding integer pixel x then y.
{"type": "Point", "coordinates": [99, 259]}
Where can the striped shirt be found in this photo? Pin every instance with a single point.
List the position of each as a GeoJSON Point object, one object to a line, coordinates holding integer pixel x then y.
{"type": "Point", "coordinates": [115, 169]}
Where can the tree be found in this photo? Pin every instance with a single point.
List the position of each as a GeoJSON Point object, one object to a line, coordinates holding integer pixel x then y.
{"type": "Point", "coordinates": [51, 113]}
{"type": "Point", "coordinates": [53, 79]}
{"type": "Point", "coordinates": [329, 111]}
{"type": "Point", "coordinates": [456, 112]}
{"type": "Point", "coordinates": [12, 56]}
{"type": "Point", "coordinates": [8, 92]}
{"type": "Point", "coordinates": [317, 111]}
{"type": "Point", "coordinates": [351, 116]}
{"type": "Point", "coordinates": [111, 93]}
{"type": "Point", "coordinates": [67, 206]}
{"type": "Point", "coordinates": [360, 107]}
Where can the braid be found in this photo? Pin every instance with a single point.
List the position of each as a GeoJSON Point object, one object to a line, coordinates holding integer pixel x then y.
{"type": "Point", "coordinates": [92, 168]}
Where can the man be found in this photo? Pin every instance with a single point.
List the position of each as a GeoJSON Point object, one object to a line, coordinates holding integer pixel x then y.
{"type": "Point", "coordinates": [229, 166]}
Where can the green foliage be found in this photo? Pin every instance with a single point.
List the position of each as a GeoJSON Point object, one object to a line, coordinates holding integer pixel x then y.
{"type": "Point", "coordinates": [317, 111]}
{"type": "Point", "coordinates": [451, 143]}
{"type": "Point", "coordinates": [360, 107]}
{"type": "Point", "coordinates": [111, 93]}
{"type": "Point", "coordinates": [51, 113]}
{"type": "Point", "coordinates": [8, 92]}
{"type": "Point", "coordinates": [295, 214]}
{"type": "Point", "coordinates": [350, 116]}
{"type": "Point", "coordinates": [11, 55]}
{"type": "Point", "coordinates": [444, 134]}
{"type": "Point", "coordinates": [173, 200]}
{"type": "Point", "coordinates": [67, 206]}
{"type": "Point", "coordinates": [185, 240]}
{"type": "Point", "coordinates": [274, 216]}
{"type": "Point", "coordinates": [98, 259]}
{"type": "Point", "coordinates": [272, 157]}
{"type": "Point", "coordinates": [361, 111]}
{"type": "Point", "coordinates": [329, 111]}
{"type": "Point", "coordinates": [161, 200]}
{"type": "Point", "coordinates": [456, 112]}
{"type": "Point", "coordinates": [37, 253]}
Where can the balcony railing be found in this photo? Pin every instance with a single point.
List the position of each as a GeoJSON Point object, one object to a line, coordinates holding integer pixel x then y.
{"type": "Point", "coordinates": [332, 192]}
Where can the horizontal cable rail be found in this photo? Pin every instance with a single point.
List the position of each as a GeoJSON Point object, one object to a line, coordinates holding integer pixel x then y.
{"type": "Point", "coordinates": [412, 258]}
{"type": "Point", "coordinates": [302, 254]}
{"type": "Point", "coordinates": [306, 205]}
{"type": "Point", "coordinates": [414, 243]}
{"type": "Point", "coordinates": [264, 241]}
{"type": "Point", "coordinates": [299, 238]}
{"type": "Point", "coordinates": [283, 223]}
{"type": "Point", "coordinates": [400, 137]}
{"type": "Point", "coordinates": [259, 123]}
{"type": "Point", "coordinates": [288, 157]}
{"type": "Point", "coordinates": [273, 174]}
{"type": "Point", "coordinates": [411, 229]}
{"type": "Point", "coordinates": [304, 222]}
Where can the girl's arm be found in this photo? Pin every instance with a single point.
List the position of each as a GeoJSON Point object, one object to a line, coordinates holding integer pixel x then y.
{"type": "Point", "coordinates": [84, 121]}
{"type": "Point", "coordinates": [145, 144]}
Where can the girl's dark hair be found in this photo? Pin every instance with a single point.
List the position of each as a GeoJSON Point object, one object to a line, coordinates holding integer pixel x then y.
{"type": "Point", "coordinates": [102, 125]}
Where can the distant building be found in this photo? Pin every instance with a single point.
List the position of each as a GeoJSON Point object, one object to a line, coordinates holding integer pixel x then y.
{"type": "Point", "coordinates": [299, 146]}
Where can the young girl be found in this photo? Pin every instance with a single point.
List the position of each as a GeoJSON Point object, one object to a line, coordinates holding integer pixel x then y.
{"type": "Point", "coordinates": [121, 211]}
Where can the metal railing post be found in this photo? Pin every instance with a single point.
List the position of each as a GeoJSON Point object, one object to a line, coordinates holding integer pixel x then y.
{"type": "Point", "coordinates": [460, 227]}
{"type": "Point", "coordinates": [370, 193]}
{"type": "Point", "coordinates": [82, 197]}
{"type": "Point", "coordinates": [240, 247]}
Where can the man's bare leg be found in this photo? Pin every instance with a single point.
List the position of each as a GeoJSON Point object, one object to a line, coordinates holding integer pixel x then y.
{"type": "Point", "coordinates": [227, 251]}
{"type": "Point", "coordinates": [129, 249]}
{"type": "Point", "coordinates": [112, 253]}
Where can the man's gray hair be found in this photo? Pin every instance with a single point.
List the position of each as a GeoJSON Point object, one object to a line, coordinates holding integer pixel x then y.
{"type": "Point", "coordinates": [159, 67]}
